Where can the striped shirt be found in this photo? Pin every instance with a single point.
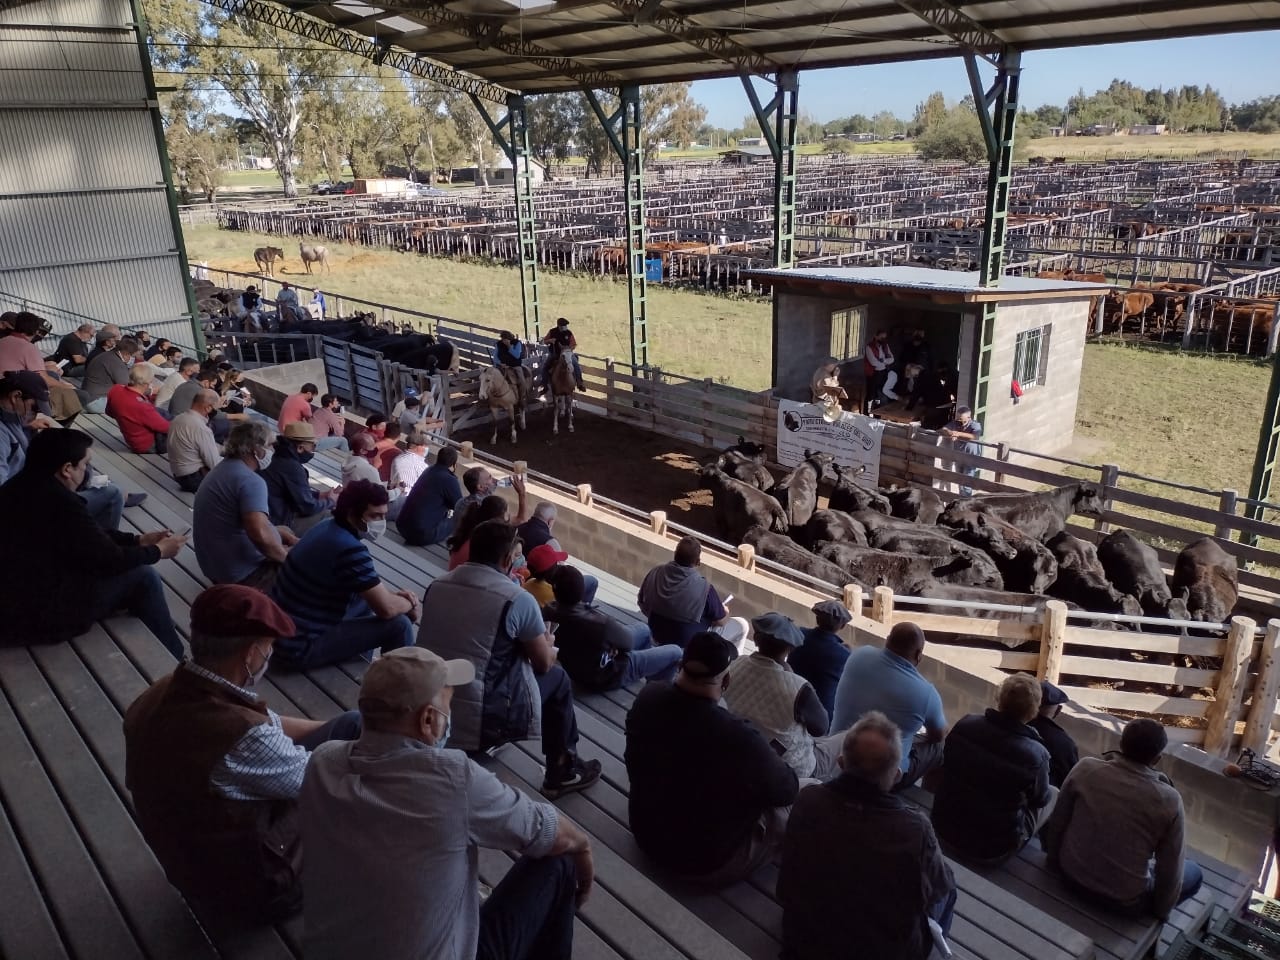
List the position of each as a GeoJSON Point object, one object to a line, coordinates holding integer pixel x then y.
{"type": "Point", "coordinates": [324, 572]}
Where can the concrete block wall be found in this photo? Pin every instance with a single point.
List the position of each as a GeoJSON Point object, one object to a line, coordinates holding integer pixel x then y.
{"type": "Point", "coordinates": [1044, 419]}
{"type": "Point", "coordinates": [804, 340]}
{"type": "Point", "coordinates": [1226, 818]}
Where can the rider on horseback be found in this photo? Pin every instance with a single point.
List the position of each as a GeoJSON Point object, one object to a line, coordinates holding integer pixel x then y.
{"type": "Point", "coordinates": [508, 351]}
{"type": "Point", "coordinates": [557, 340]}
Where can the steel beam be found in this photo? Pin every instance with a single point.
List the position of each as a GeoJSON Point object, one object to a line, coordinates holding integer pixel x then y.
{"type": "Point", "coordinates": [624, 132]}
{"type": "Point", "coordinates": [959, 26]}
{"type": "Point", "coordinates": [350, 42]}
{"type": "Point", "coordinates": [716, 43]}
{"type": "Point", "coordinates": [512, 134]}
{"type": "Point", "coordinates": [778, 121]}
{"type": "Point", "coordinates": [1264, 464]}
{"type": "Point", "coordinates": [998, 110]}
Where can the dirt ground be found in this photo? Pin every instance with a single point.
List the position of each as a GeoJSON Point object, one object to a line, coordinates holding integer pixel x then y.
{"type": "Point", "coordinates": [633, 466]}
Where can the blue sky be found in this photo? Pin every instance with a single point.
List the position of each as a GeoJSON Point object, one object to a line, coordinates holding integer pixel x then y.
{"type": "Point", "coordinates": [1241, 66]}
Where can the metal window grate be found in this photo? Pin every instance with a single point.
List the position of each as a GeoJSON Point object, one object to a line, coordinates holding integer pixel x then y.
{"type": "Point", "coordinates": [1031, 357]}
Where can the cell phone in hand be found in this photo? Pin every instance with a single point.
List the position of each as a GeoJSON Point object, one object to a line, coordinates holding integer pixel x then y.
{"type": "Point", "coordinates": [727, 600]}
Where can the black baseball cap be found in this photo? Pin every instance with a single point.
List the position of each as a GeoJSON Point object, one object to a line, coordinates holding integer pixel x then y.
{"type": "Point", "coordinates": [707, 655]}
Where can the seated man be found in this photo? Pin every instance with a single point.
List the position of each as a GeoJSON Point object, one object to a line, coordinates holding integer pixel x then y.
{"type": "Point", "coordinates": [1063, 753]}
{"type": "Point", "coordinates": [426, 517]}
{"type": "Point", "coordinates": [331, 588]}
{"type": "Point", "coordinates": [820, 659]}
{"type": "Point", "coordinates": [186, 370]}
{"type": "Point", "coordinates": [476, 612]}
{"type": "Point", "coordinates": [995, 793]}
{"type": "Point", "coordinates": [18, 352]}
{"type": "Point", "coordinates": [1114, 818]}
{"type": "Point", "coordinates": [290, 497]}
{"type": "Point", "coordinates": [709, 796]}
{"type": "Point", "coordinates": [781, 703]}
{"type": "Point", "coordinates": [109, 368]}
{"type": "Point", "coordinates": [392, 824]}
{"type": "Point", "coordinates": [20, 391]}
{"type": "Point", "coordinates": [411, 463]}
{"type": "Point", "coordinates": [67, 571]}
{"type": "Point", "coordinates": [215, 774]}
{"type": "Point", "coordinates": [192, 450]}
{"type": "Point", "coordinates": [73, 350]}
{"type": "Point", "coordinates": [235, 541]}
{"type": "Point", "coordinates": [860, 865]}
{"type": "Point", "coordinates": [331, 429]}
{"type": "Point", "coordinates": [887, 680]}
{"type": "Point", "coordinates": [545, 563]}
{"type": "Point", "coordinates": [144, 428]}
{"type": "Point", "coordinates": [388, 448]}
{"type": "Point", "coordinates": [412, 414]}
{"type": "Point", "coordinates": [478, 484]}
{"type": "Point", "coordinates": [597, 651]}
{"type": "Point", "coordinates": [297, 406]}
{"type": "Point", "coordinates": [679, 601]}
{"type": "Point", "coordinates": [361, 463]}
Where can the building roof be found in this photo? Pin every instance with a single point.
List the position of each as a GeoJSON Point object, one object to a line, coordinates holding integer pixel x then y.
{"type": "Point", "coordinates": [941, 286]}
{"type": "Point", "coordinates": [748, 151]}
{"type": "Point", "coordinates": [539, 46]}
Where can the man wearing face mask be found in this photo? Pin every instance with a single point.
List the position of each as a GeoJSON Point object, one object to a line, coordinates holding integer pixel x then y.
{"type": "Point", "coordinates": [331, 588]}
{"type": "Point", "coordinates": [19, 392]}
{"type": "Point", "coordinates": [392, 824]}
{"type": "Point", "coordinates": [215, 774]}
{"type": "Point", "coordinates": [193, 451]}
{"type": "Point", "coordinates": [290, 498]}
{"type": "Point", "coordinates": [234, 539]}
{"type": "Point", "coordinates": [143, 427]}
{"type": "Point", "coordinates": [108, 369]}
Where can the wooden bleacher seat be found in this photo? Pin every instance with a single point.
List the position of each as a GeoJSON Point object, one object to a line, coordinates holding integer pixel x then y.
{"type": "Point", "coordinates": [81, 882]}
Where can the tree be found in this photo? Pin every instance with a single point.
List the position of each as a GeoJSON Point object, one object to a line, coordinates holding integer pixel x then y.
{"type": "Point", "coordinates": [473, 133]}
{"type": "Point", "coordinates": [554, 121]}
{"type": "Point", "coordinates": [667, 112]}
{"type": "Point", "coordinates": [929, 113]}
{"type": "Point", "coordinates": [201, 145]}
{"type": "Point", "coordinates": [884, 124]}
{"type": "Point", "coordinates": [957, 136]}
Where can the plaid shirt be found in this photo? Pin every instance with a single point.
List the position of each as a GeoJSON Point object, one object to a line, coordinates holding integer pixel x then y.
{"type": "Point", "coordinates": [264, 763]}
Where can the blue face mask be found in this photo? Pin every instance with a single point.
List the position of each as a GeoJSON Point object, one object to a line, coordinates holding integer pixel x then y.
{"type": "Point", "coordinates": [448, 728]}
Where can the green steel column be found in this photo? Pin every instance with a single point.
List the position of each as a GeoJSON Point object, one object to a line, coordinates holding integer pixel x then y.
{"type": "Point", "coordinates": [157, 129]}
{"type": "Point", "coordinates": [779, 120]}
{"type": "Point", "coordinates": [998, 130]}
{"type": "Point", "coordinates": [522, 174]}
{"type": "Point", "coordinates": [511, 133]}
{"type": "Point", "coordinates": [629, 135]}
{"type": "Point", "coordinates": [1264, 464]}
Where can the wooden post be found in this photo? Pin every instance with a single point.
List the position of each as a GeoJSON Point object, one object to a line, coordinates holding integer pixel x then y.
{"type": "Point", "coordinates": [1110, 477]}
{"type": "Point", "coordinates": [466, 450]}
{"type": "Point", "coordinates": [658, 522]}
{"type": "Point", "coordinates": [1258, 727]}
{"type": "Point", "coordinates": [1227, 505]}
{"type": "Point", "coordinates": [1053, 633]}
{"type": "Point", "coordinates": [584, 494]}
{"type": "Point", "coordinates": [853, 599]}
{"type": "Point", "coordinates": [1229, 693]}
{"type": "Point", "coordinates": [1002, 454]}
{"type": "Point", "coordinates": [746, 556]}
{"type": "Point", "coordinates": [882, 605]}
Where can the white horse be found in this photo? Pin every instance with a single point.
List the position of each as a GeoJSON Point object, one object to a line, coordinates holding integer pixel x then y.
{"type": "Point", "coordinates": [563, 386]}
{"type": "Point", "coordinates": [503, 388]}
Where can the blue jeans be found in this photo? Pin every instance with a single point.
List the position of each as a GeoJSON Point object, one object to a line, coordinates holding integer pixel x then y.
{"type": "Point", "coordinates": [944, 911]}
{"type": "Point", "coordinates": [350, 637]}
{"type": "Point", "coordinates": [140, 592]}
{"type": "Point", "coordinates": [333, 443]}
{"type": "Point", "coordinates": [1192, 878]}
{"type": "Point", "coordinates": [345, 726]}
{"type": "Point", "coordinates": [529, 915]}
{"type": "Point", "coordinates": [96, 406]}
{"type": "Point", "coordinates": [105, 505]}
{"type": "Point", "coordinates": [654, 663]}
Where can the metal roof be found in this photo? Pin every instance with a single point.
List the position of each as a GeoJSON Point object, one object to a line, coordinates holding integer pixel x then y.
{"type": "Point", "coordinates": [945, 284]}
{"type": "Point", "coordinates": [534, 46]}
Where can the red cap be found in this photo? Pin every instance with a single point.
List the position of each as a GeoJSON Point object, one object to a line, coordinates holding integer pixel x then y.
{"type": "Point", "coordinates": [230, 610]}
{"type": "Point", "coordinates": [543, 558]}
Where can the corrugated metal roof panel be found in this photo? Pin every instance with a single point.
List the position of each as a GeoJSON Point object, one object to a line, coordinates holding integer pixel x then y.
{"type": "Point", "coordinates": [924, 279]}
{"type": "Point", "coordinates": [132, 293]}
{"type": "Point", "coordinates": [69, 66]}
{"type": "Point", "coordinates": [104, 13]}
{"type": "Point", "coordinates": [76, 150]}
{"type": "Point", "coordinates": [52, 230]}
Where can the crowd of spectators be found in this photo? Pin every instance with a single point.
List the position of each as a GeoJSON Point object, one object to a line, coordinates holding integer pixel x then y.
{"type": "Point", "coordinates": [795, 749]}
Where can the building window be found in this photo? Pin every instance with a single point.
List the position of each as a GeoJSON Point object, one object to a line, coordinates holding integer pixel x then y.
{"type": "Point", "coordinates": [846, 332]}
{"type": "Point", "coordinates": [1031, 357]}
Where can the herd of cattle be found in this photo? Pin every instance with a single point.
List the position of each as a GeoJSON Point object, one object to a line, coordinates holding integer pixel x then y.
{"type": "Point", "coordinates": [1009, 548]}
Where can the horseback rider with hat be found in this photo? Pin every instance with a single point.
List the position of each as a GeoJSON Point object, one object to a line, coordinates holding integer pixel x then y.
{"type": "Point", "coordinates": [558, 340]}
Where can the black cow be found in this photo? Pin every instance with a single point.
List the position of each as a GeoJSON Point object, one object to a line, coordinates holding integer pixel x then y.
{"type": "Point", "coordinates": [740, 506]}
{"type": "Point", "coordinates": [1037, 515]}
{"type": "Point", "coordinates": [1208, 575]}
{"type": "Point", "coordinates": [1083, 580]}
{"type": "Point", "coordinates": [1133, 567]}
{"type": "Point", "coordinates": [852, 496]}
{"type": "Point", "coordinates": [900, 572]}
{"type": "Point", "coordinates": [835, 525]}
{"type": "Point", "coordinates": [914, 503]}
{"type": "Point", "coordinates": [879, 524]}
{"type": "Point", "coordinates": [742, 467]}
{"type": "Point", "coordinates": [981, 572]}
{"type": "Point", "coordinates": [783, 550]}
{"type": "Point", "coordinates": [798, 490]}
{"type": "Point", "coordinates": [1030, 568]}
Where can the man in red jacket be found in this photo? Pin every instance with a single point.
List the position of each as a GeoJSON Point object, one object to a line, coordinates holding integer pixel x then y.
{"type": "Point", "coordinates": [143, 427]}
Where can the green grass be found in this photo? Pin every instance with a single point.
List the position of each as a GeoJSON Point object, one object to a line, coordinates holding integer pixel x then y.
{"type": "Point", "coordinates": [1172, 146]}
{"type": "Point", "coordinates": [698, 335]}
{"type": "Point", "coordinates": [1190, 419]}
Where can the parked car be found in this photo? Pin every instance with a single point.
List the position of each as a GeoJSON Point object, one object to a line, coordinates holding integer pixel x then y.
{"type": "Point", "coordinates": [324, 186]}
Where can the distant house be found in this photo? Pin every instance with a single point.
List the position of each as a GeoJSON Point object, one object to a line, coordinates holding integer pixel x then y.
{"type": "Point", "coordinates": [1147, 130]}
{"type": "Point", "coordinates": [746, 156]}
{"type": "Point", "coordinates": [751, 142]}
{"type": "Point", "coordinates": [500, 172]}
{"type": "Point", "coordinates": [1057, 131]}
{"type": "Point", "coordinates": [1101, 130]}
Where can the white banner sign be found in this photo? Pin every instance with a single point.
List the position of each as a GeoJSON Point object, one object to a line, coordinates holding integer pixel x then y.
{"type": "Point", "coordinates": [853, 439]}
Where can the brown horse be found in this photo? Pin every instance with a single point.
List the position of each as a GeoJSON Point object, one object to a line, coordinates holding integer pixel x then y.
{"type": "Point", "coordinates": [562, 388]}
{"type": "Point", "coordinates": [504, 389]}
{"type": "Point", "coordinates": [266, 257]}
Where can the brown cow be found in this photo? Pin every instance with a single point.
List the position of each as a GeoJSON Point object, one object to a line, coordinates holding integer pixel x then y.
{"type": "Point", "coordinates": [1131, 304]}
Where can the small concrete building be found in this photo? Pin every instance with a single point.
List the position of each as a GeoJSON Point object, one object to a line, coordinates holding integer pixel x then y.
{"type": "Point", "coordinates": [1039, 337]}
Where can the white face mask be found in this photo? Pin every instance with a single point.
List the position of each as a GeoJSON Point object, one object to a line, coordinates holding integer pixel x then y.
{"type": "Point", "coordinates": [255, 676]}
{"type": "Point", "coordinates": [373, 529]}
{"type": "Point", "coordinates": [264, 461]}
